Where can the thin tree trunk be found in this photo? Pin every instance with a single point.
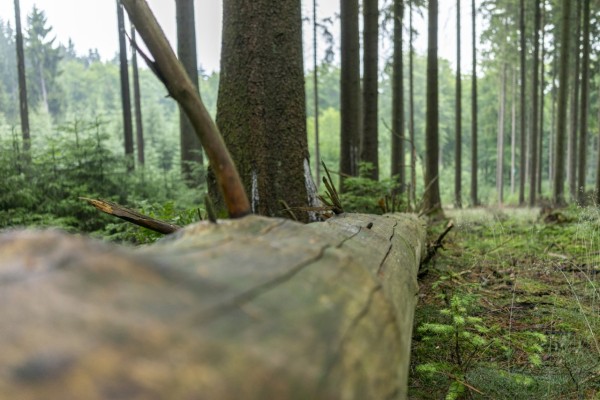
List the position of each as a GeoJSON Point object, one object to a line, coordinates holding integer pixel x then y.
{"type": "Point", "coordinates": [474, 200]}
{"type": "Point", "coordinates": [534, 95]}
{"type": "Point", "coordinates": [572, 138]}
{"type": "Point", "coordinates": [552, 140]}
{"type": "Point", "coordinates": [23, 106]}
{"type": "Point", "coordinates": [458, 118]}
{"type": "Point", "coordinates": [316, 96]}
{"type": "Point", "coordinates": [541, 94]}
{"type": "Point", "coordinates": [431, 199]}
{"type": "Point", "coordinates": [349, 89]}
{"type": "Point", "coordinates": [137, 101]}
{"type": "Point", "coordinates": [558, 194]}
{"type": "Point", "coordinates": [125, 95]}
{"type": "Point", "coordinates": [398, 167]}
{"type": "Point", "coordinates": [413, 151]}
{"type": "Point", "coordinates": [513, 134]}
{"type": "Point", "coordinates": [191, 149]}
{"type": "Point", "coordinates": [523, 107]}
{"type": "Point", "coordinates": [500, 141]}
{"type": "Point", "coordinates": [585, 97]}
{"type": "Point", "coordinates": [370, 142]}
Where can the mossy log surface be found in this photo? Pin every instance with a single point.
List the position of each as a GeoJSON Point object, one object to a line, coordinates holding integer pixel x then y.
{"type": "Point", "coordinates": [253, 308]}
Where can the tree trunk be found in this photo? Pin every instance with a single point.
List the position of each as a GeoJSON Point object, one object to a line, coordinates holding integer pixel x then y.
{"type": "Point", "coordinates": [253, 308]}
{"type": "Point", "coordinates": [137, 101]}
{"type": "Point", "coordinates": [316, 96]}
{"type": "Point", "coordinates": [125, 96]}
{"type": "Point", "coordinates": [474, 200]}
{"type": "Point", "coordinates": [513, 134]}
{"type": "Point", "coordinates": [398, 159]}
{"type": "Point", "coordinates": [558, 192]}
{"type": "Point", "coordinates": [191, 150]}
{"type": "Point", "coordinates": [541, 94]}
{"type": "Point", "coordinates": [349, 90]}
{"type": "Point", "coordinates": [261, 104]}
{"type": "Point", "coordinates": [523, 107]}
{"type": "Point", "coordinates": [585, 97]}
{"type": "Point", "coordinates": [552, 136]}
{"type": "Point", "coordinates": [572, 138]}
{"type": "Point", "coordinates": [369, 148]}
{"type": "Point", "coordinates": [23, 106]}
{"type": "Point", "coordinates": [413, 149]}
{"type": "Point", "coordinates": [458, 118]}
{"type": "Point", "coordinates": [535, 101]}
{"type": "Point", "coordinates": [500, 140]}
{"type": "Point", "coordinates": [432, 203]}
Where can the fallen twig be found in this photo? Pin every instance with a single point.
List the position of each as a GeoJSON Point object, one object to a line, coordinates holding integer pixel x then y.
{"type": "Point", "coordinates": [438, 244]}
{"type": "Point", "coordinates": [132, 216]}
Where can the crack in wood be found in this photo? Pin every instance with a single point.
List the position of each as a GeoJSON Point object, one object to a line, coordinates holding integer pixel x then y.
{"type": "Point", "coordinates": [389, 250]}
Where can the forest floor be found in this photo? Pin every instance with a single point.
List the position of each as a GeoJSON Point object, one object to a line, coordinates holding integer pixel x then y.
{"type": "Point", "coordinates": [510, 308]}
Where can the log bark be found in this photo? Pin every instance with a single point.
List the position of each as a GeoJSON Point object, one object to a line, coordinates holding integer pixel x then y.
{"type": "Point", "coordinates": [253, 308]}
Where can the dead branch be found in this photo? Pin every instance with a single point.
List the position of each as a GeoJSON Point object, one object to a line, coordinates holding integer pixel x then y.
{"type": "Point", "coordinates": [132, 216]}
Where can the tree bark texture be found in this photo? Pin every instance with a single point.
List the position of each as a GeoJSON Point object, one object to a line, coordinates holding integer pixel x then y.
{"type": "Point", "coordinates": [558, 192]}
{"type": "Point", "coordinates": [191, 150]}
{"type": "Point", "coordinates": [585, 107]}
{"type": "Point", "coordinates": [350, 129]}
{"type": "Point", "coordinates": [398, 136]}
{"type": "Point", "coordinates": [261, 107]}
{"type": "Point", "coordinates": [23, 106]}
{"type": "Point", "coordinates": [432, 203]}
{"type": "Point", "coordinates": [369, 148]}
{"type": "Point", "coordinates": [252, 308]}
{"type": "Point", "coordinates": [125, 94]}
{"type": "Point", "coordinates": [523, 106]}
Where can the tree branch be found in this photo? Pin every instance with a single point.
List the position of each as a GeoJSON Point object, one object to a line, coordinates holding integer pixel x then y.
{"type": "Point", "coordinates": [180, 87]}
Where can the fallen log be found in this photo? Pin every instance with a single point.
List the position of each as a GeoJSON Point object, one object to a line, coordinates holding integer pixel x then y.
{"type": "Point", "coordinates": [253, 308]}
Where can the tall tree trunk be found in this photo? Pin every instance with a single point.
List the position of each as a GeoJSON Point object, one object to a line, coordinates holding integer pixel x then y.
{"type": "Point", "coordinates": [513, 134]}
{"type": "Point", "coordinates": [541, 94]}
{"type": "Point", "coordinates": [23, 106]}
{"type": "Point", "coordinates": [370, 142]}
{"type": "Point", "coordinates": [474, 200]}
{"type": "Point", "coordinates": [458, 118]}
{"type": "Point", "coordinates": [262, 79]}
{"type": "Point", "coordinates": [413, 149]}
{"type": "Point", "coordinates": [552, 136]}
{"type": "Point", "coordinates": [500, 140]}
{"type": "Point", "coordinates": [398, 167]}
{"type": "Point", "coordinates": [431, 200]}
{"type": "Point", "coordinates": [125, 95]}
{"type": "Point", "coordinates": [535, 111]}
{"type": "Point", "coordinates": [523, 107]}
{"type": "Point", "coordinates": [585, 97]}
{"type": "Point", "coordinates": [316, 95]}
{"type": "Point", "coordinates": [558, 192]}
{"type": "Point", "coordinates": [349, 89]}
{"type": "Point", "coordinates": [191, 150]}
{"type": "Point", "coordinates": [572, 138]}
{"type": "Point", "coordinates": [137, 102]}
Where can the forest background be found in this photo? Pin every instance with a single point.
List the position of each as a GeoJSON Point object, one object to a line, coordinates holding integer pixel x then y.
{"type": "Point", "coordinates": [76, 122]}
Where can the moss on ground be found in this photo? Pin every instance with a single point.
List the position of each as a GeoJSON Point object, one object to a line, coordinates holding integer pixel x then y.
{"type": "Point", "coordinates": [536, 278]}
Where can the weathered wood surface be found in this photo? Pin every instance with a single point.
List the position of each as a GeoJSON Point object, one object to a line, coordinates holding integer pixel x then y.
{"type": "Point", "coordinates": [254, 308]}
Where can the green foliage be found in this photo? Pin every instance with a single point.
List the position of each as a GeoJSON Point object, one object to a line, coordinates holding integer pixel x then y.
{"type": "Point", "coordinates": [364, 195]}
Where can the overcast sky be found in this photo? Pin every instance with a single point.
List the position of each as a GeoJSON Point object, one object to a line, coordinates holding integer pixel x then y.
{"type": "Point", "coordinates": [92, 24]}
